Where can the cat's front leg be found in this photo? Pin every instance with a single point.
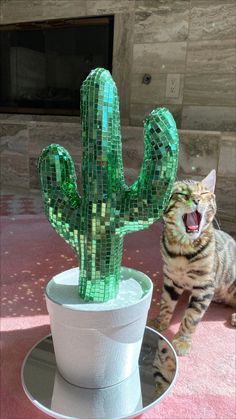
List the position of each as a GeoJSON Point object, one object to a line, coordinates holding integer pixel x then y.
{"type": "Point", "coordinates": [198, 304]}
{"type": "Point", "coordinates": [169, 299]}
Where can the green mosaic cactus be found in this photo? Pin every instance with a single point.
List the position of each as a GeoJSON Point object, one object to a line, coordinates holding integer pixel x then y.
{"type": "Point", "coordinates": [95, 224]}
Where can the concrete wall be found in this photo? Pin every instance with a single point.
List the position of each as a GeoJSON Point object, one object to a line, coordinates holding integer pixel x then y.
{"type": "Point", "coordinates": [192, 41]}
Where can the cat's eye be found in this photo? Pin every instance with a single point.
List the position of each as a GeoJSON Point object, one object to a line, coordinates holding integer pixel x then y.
{"type": "Point", "coordinates": [180, 194]}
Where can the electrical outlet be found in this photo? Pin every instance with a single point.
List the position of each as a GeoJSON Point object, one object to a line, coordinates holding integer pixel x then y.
{"type": "Point", "coordinates": [172, 85]}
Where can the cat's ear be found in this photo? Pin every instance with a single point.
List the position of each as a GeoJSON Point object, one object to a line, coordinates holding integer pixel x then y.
{"type": "Point", "coordinates": [210, 181]}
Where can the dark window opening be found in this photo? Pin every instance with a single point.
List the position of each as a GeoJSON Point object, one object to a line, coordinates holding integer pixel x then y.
{"type": "Point", "coordinates": [43, 64]}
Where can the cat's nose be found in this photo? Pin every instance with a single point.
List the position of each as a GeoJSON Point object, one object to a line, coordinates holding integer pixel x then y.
{"type": "Point", "coordinates": [196, 200]}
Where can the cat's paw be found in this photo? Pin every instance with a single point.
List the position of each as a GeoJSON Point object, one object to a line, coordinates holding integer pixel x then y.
{"type": "Point", "coordinates": [161, 388]}
{"type": "Point", "coordinates": [182, 345]}
{"type": "Point", "coordinates": [233, 319]}
{"type": "Point", "coordinates": [158, 324]}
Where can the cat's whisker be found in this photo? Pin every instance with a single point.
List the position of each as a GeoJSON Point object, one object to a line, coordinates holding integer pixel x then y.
{"type": "Point", "coordinates": [217, 223]}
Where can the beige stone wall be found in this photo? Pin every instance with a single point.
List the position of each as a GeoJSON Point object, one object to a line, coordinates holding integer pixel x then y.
{"type": "Point", "coordinates": [195, 39]}
{"type": "Point", "coordinates": [192, 40]}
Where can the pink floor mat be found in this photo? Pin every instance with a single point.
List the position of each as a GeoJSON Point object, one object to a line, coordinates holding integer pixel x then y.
{"type": "Point", "coordinates": [32, 252]}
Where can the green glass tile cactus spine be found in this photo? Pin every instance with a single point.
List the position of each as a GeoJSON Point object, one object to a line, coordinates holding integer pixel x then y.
{"type": "Point", "coordinates": [95, 223]}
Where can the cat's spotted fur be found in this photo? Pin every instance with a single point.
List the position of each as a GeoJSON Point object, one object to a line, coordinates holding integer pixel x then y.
{"type": "Point", "coordinates": [196, 258]}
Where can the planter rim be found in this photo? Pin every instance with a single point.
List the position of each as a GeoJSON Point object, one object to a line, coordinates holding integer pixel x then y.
{"type": "Point", "coordinates": [145, 296]}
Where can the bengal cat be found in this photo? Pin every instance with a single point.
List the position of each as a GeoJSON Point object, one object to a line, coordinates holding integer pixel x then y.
{"type": "Point", "coordinates": [196, 258]}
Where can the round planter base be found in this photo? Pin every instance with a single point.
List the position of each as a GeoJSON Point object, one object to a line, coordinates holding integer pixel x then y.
{"type": "Point", "coordinates": [53, 395]}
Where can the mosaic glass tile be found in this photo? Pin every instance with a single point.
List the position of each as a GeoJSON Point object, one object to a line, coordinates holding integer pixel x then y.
{"type": "Point", "coordinates": [95, 223]}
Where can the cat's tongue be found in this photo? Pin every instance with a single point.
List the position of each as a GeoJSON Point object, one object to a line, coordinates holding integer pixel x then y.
{"type": "Point", "coordinates": [191, 221]}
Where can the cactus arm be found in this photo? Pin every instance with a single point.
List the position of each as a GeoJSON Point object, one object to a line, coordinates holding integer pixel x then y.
{"type": "Point", "coordinates": [59, 189]}
{"type": "Point", "coordinates": [150, 193]}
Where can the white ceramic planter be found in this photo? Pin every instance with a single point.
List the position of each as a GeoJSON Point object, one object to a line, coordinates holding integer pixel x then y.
{"type": "Point", "coordinates": [98, 344]}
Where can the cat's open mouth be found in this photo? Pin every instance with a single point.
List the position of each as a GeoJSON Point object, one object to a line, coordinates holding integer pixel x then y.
{"type": "Point", "coordinates": [192, 221]}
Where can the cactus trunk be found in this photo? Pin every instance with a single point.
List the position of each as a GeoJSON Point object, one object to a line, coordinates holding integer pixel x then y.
{"type": "Point", "coordinates": [100, 272]}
